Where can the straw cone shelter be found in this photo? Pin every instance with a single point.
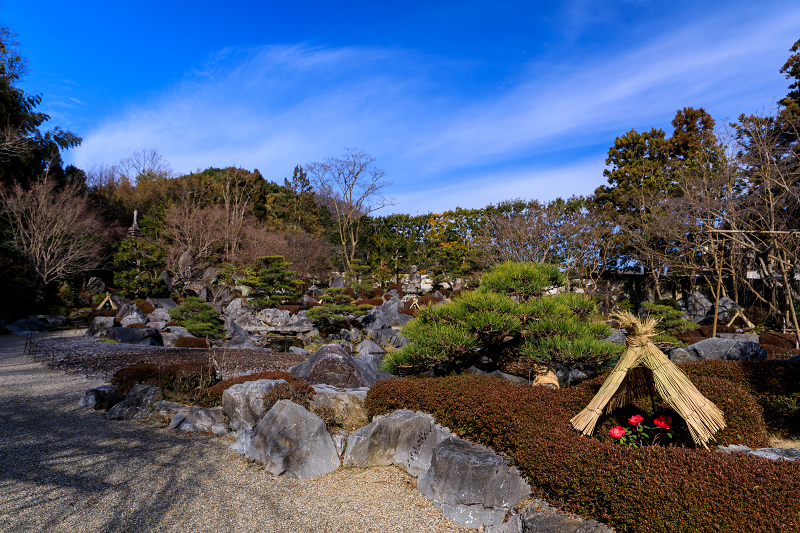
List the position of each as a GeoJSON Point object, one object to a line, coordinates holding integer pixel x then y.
{"type": "Point", "coordinates": [642, 371]}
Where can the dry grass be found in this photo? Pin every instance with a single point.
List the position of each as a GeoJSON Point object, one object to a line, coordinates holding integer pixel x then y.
{"type": "Point", "coordinates": [776, 441]}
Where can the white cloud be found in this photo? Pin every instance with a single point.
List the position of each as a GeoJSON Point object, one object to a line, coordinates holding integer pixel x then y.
{"type": "Point", "coordinates": [274, 107]}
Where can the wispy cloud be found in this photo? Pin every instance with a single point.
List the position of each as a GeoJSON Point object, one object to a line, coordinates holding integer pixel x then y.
{"type": "Point", "coordinates": [274, 107]}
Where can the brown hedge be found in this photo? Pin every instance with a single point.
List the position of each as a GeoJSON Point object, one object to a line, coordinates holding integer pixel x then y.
{"type": "Point", "coordinates": [653, 489]}
{"type": "Point", "coordinates": [192, 342]}
{"type": "Point", "coordinates": [181, 377]}
{"type": "Point", "coordinates": [212, 396]}
{"type": "Point", "coordinates": [144, 306]}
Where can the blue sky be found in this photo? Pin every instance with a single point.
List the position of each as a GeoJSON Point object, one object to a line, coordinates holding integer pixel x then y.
{"type": "Point", "coordinates": [461, 103]}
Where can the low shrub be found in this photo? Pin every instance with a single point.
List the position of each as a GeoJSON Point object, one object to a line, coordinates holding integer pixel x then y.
{"type": "Point", "coordinates": [371, 301]}
{"type": "Point", "coordinates": [144, 306]}
{"type": "Point", "coordinates": [192, 342]}
{"type": "Point", "coordinates": [652, 489]}
{"type": "Point", "coordinates": [775, 385]}
{"type": "Point", "coordinates": [212, 396]}
{"type": "Point", "coordinates": [199, 317]}
{"type": "Point", "coordinates": [102, 312]}
{"type": "Point", "coordinates": [136, 326]}
{"type": "Point", "coordinates": [181, 377]}
{"type": "Point", "coordinates": [289, 391]}
{"type": "Point", "coordinates": [293, 309]}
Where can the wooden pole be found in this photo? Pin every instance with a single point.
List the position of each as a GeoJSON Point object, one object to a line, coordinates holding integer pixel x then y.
{"type": "Point", "coordinates": [719, 286]}
{"type": "Point", "coordinates": [790, 301]}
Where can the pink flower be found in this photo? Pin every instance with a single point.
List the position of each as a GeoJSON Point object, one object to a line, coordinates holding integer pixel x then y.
{"type": "Point", "coordinates": [635, 420]}
{"type": "Point", "coordinates": [617, 432]}
{"type": "Point", "coordinates": [663, 422]}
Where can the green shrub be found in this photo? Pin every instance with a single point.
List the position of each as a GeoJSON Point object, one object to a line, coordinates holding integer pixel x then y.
{"type": "Point", "coordinates": [652, 489]}
{"type": "Point", "coordinates": [272, 281]}
{"type": "Point", "coordinates": [138, 263]}
{"type": "Point", "coordinates": [670, 321]}
{"type": "Point", "coordinates": [198, 317]}
{"type": "Point", "coordinates": [522, 280]}
{"type": "Point", "coordinates": [482, 323]}
{"type": "Point", "coordinates": [336, 306]}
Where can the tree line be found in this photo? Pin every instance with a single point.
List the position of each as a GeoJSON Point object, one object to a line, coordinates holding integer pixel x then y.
{"type": "Point", "coordinates": [705, 202]}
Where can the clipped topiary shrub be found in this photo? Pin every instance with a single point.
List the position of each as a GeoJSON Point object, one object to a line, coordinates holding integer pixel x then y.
{"type": "Point", "coordinates": [199, 318]}
{"type": "Point", "coordinates": [212, 396]}
{"type": "Point", "coordinates": [653, 489]}
{"type": "Point", "coordinates": [136, 326]}
{"type": "Point", "coordinates": [179, 377]}
{"type": "Point", "coordinates": [775, 385]}
{"type": "Point", "coordinates": [192, 342]}
{"type": "Point", "coordinates": [144, 306]}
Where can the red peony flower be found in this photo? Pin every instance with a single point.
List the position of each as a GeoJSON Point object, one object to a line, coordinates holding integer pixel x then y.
{"type": "Point", "coordinates": [663, 422]}
{"type": "Point", "coordinates": [617, 432]}
{"type": "Point", "coordinates": [635, 420]}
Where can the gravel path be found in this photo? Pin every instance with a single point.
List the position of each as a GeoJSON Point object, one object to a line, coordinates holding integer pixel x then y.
{"type": "Point", "coordinates": [64, 468]}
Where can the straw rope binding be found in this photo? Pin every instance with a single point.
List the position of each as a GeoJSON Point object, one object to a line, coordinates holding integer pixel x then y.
{"type": "Point", "coordinates": [643, 370]}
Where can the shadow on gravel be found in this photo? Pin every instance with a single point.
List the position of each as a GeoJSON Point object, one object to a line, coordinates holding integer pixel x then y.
{"type": "Point", "coordinates": [63, 463]}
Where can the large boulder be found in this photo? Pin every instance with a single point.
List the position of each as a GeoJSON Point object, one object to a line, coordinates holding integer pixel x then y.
{"type": "Point", "coordinates": [130, 314]}
{"type": "Point", "coordinates": [472, 485]}
{"type": "Point", "coordinates": [95, 286]}
{"type": "Point", "coordinates": [159, 315]}
{"type": "Point", "coordinates": [729, 349]}
{"type": "Point", "coordinates": [26, 325]}
{"type": "Point", "coordinates": [332, 364]}
{"type": "Point", "coordinates": [100, 326]}
{"type": "Point", "coordinates": [234, 330]}
{"type": "Point", "coordinates": [540, 516]}
{"type": "Point", "coordinates": [138, 404]}
{"type": "Point", "coordinates": [347, 405]}
{"type": "Point", "coordinates": [680, 356]}
{"type": "Point", "coordinates": [167, 304]}
{"type": "Point", "coordinates": [199, 419]}
{"type": "Point", "coordinates": [283, 321]}
{"type": "Point", "coordinates": [163, 411]}
{"type": "Point", "coordinates": [243, 403]}
{"type": "Point", "coordinates": [140, 336]}
{"type": "Point", "coordinates": [290, 441]}
{"type": "Point", "coordinates": [371, 354]}
{"type": "Point", "coordinates": [403, 438]}
{"type": "Point", "coordinates": [727, 307]}
{"type": "Point", "coordinates": [101, 398]}
{"type": "Point", "coordinates": [699, 306]}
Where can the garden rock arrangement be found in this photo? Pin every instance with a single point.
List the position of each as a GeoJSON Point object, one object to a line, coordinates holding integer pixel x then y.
{"type": "Point", "coordinates": [470, 484]}
{"type": "Point", "coordinates": [332, 364]}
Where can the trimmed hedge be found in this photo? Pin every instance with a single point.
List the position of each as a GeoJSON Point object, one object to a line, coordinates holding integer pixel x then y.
{"type": "Point", "coordinates": [653, 489]}
{"type": "Point", "coordinates": [774, 384]}
{"type": "Point", "coordinates": [192, 342]}
{"type": "Point", "coordinates": [144, 306]}
{"type": "Point", "coordinates": [179, 377]}
{"type": "Point", "coordinates": [212, 396]}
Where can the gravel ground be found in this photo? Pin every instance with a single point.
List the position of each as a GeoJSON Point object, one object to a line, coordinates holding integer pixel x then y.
{"type": "Point", "coordinates": [95, 359]}
{"type": "Point", "coordinates": [64, 468]}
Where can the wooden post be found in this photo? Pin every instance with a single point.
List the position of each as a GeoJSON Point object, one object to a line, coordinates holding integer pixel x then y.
{"type": "Point", "coordinates": [719, 285]}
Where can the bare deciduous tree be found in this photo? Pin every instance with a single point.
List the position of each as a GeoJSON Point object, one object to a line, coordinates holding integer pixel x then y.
{"type": "Point", "coordinates": [351, 186]}
{"type": "Point", "coordinates": [190, 224]}
{"type": "Point", "coordinates": [53, 229]}
{"type": "Point", "coordinates": [238, 187]}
